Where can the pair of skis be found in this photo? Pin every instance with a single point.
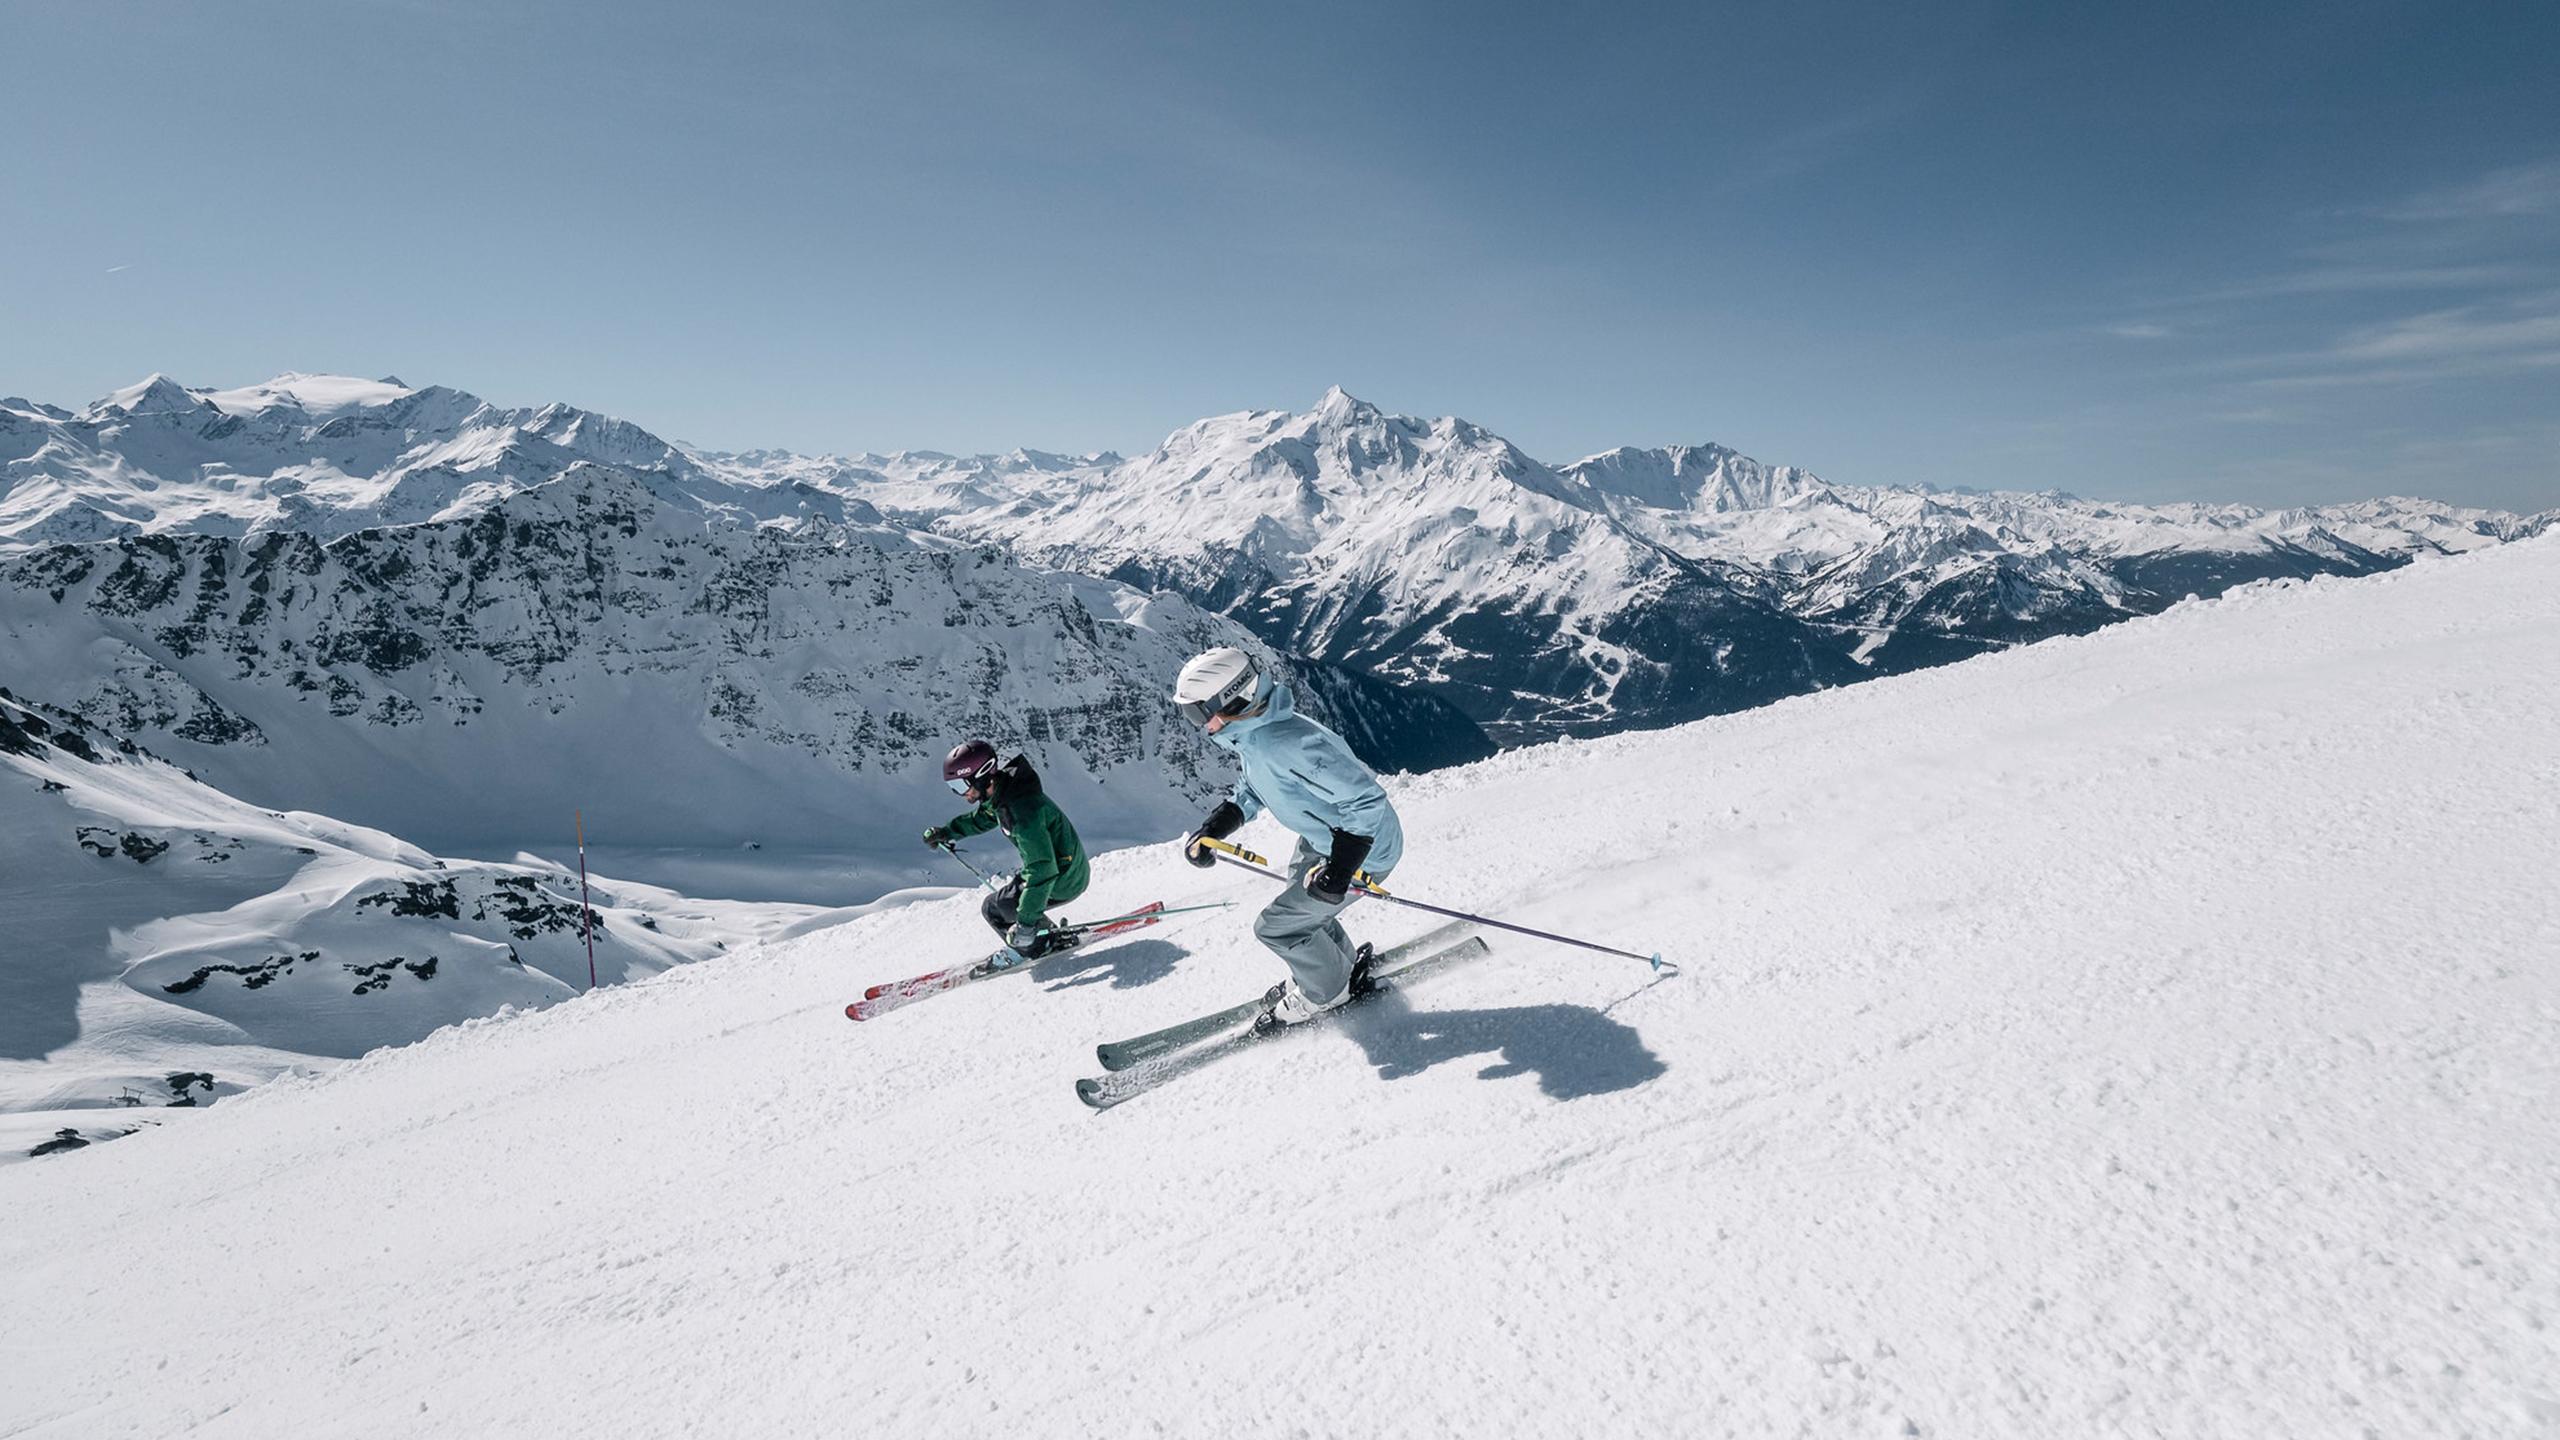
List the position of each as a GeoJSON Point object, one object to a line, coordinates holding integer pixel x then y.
{"type": "Point", "coordinates": [881, 999]}
{"type": "Point", "coordinates": [1140, 1064]}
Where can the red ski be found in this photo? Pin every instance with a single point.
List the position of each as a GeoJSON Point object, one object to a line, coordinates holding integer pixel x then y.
{"type": "Point", "coordinates": [881, 999]}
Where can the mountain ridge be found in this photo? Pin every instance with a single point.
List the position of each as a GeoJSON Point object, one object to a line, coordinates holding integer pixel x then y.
{"type": "Point", "coordinates": [1635, 587]}
{"type": "Point", "coordinates": [586, 643]}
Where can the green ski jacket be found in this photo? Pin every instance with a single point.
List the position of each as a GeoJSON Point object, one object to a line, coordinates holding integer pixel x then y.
{"type": "Point", "coordinates": [1054, 868]}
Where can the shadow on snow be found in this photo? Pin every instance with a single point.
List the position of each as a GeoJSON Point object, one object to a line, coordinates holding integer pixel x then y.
{"type": "Point", "coordinates": [1574, 1050]}
{"type": "Point", "coordinates": [1127, 965]}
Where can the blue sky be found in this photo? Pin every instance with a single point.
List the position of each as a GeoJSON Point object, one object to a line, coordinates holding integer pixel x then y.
{"type": "Point", "coordinates": [2272, 252]}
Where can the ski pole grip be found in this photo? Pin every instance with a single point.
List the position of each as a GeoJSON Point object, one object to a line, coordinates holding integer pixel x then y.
{"type": "Point", "coordinates": [1238, 851]}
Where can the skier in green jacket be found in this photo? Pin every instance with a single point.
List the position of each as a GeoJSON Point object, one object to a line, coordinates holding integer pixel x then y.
{"type": "Point", "coordinates": [1054, 868]}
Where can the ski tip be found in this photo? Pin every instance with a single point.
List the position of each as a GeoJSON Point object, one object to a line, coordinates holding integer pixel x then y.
{"type": "Point", "coordinates": [1092, 1093]}
{"type": "Point", "coordinates": [854, 1011]}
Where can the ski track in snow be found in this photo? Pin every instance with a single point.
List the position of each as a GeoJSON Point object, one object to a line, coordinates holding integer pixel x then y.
{"type": "Point", "coordinates": [2144, 1033]}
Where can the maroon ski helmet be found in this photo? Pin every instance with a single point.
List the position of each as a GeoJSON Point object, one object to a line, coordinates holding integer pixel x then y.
{"type": "Point", "coordinates": [969, 761]}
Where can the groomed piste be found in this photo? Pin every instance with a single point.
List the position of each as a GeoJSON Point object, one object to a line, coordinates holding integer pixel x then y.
{"type": "Point", "coordinates": [2156, 1032]}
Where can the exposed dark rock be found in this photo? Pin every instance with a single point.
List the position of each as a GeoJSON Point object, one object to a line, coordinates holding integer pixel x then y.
{"type": "Point", "coordinates": [377, 976]}
{"type": "Point", "coordinates": [519, 900]}
{"type": "Point", "coordinates": [252, 977]}
{"type": "Point", "coordinates": [418, 898]}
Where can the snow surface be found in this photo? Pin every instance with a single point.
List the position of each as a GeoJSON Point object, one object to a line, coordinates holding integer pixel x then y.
{"type": "Point", "coordinates": [2143, 1033]}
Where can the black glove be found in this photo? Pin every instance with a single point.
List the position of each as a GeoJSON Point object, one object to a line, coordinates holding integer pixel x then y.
{"type": "Point", "coordinates": [1222, 822]}
{"type": "Point", "coordinates": [1330, 882]}
{"type": "Point", "coordinates": [937, 837]}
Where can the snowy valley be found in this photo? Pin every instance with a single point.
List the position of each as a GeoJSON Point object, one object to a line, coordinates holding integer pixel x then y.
{"type": "Point", "coordinates": [168, 945]}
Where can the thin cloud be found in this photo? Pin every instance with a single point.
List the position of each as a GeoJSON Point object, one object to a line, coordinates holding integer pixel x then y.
{"type": "Point", "coordinates": [2472, 330]}
{"type": "Point", "coordinates": [1821, 142]}
{"type": "Point", "coordinates": [2426, 247]}
{"type": "Point", "coordinates": [2428, 372]}
{"type": "Point", "coordinates": [2355, 311]}
{"type": "Point", "coordinates": [118, 269]}
{"type": "Point", "coordinates": [2348, 279]}
{"type": "Point", "coordinates": [2516, 190]}
{"type": "Point", "coordinates": [2138, 331]}
{"type": "Point", "coordinates": [2467, 342]}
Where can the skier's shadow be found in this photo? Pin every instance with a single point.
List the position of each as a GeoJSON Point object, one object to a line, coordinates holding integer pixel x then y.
{"type": "Point", "coordinates": [1124, 966]}
{"type": "Point", "coordinates": [1574, 1050]}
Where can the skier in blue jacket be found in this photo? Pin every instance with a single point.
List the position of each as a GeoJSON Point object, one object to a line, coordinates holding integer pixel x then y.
{"type": "Point", "coordinates": [1310, 781]}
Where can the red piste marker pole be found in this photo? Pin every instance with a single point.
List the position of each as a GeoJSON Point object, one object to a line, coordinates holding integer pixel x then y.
{"type": "Point", "coordinates": [584, 910]}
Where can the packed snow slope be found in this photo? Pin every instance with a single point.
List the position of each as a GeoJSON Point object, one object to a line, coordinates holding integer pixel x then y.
{"type": "Point", "coordinates": [2142, 1033]}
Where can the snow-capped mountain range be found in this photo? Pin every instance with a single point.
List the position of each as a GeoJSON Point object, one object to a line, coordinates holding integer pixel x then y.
{"type": "Point", "coordinates": [322, 455]}
{"type": "Point", "coordinates": [1637, 587]}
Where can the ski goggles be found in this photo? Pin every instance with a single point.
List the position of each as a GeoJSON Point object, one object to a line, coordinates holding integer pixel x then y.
{"type": "Point", "coordinates": [1198, 713]}
{"type": "Point", "coordinates": [961, 787]}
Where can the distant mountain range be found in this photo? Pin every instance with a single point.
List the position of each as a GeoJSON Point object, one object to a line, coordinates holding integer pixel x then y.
{"type": "Point", "coordinates": [1634, 588]}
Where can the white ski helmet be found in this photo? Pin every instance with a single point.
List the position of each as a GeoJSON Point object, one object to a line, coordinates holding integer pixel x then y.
{"type": "Point", "coordinates": [1224, 681]}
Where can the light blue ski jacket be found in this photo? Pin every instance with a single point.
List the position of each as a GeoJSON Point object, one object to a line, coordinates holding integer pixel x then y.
{"type": "Point", "coordinates": [1306, 777]}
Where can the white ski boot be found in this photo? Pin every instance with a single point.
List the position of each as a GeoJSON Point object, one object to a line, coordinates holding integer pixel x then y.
{"type": "Point", "coordinates": [1288, 1005]}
